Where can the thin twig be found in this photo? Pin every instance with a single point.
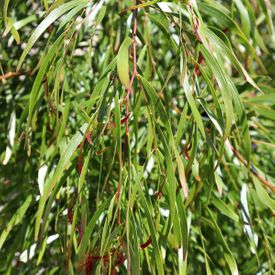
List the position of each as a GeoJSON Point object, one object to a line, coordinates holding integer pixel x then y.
{"type": "Point", "coordinates": [8, 75]}
{"type": "Point", "coordinates": [139, 6]}
{"type": "Point", "coordinates": [252, 168]}
{"type": "Point", "coordinates": [12, 74]}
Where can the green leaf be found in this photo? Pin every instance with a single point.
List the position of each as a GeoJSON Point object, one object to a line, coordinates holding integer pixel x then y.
{"type": "Point", "coordinates": [246, 25]}
{"type": "Point", "coordinates": [263, 195]}
{"type": "Point", "coordinates": [262, 99]}
{"type": "Point", "coordinates": [16, 219]}
{"type": "Point", "coordinates": [123, 63]}
{"type": "Point", "coordinates": [227, 97]}
{"type": "Point", "coordinates": [265, 112]}
{"type": "Point", "coordinates": [63, 162]}
{"type": "Point", "coordinates": [83, 172]}
{"type": "Point", "coordinates": [51, 18]}
{"type": "Point", "coordinates": [40, 76]}
{"type": "Point", "coordinates": [224, 208]}
{"type": "Point", "coordinates": [5, 11]}
{"type": "Point", "coordinates": [153, 233]}
{"type": "Point", "coordinates": [192, 104]}
{"type": "Point", "coordinates": [227, 252]}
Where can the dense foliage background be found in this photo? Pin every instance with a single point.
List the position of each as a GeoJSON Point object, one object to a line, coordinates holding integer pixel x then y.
{"type": "Point", "coordinates": [137, 137]}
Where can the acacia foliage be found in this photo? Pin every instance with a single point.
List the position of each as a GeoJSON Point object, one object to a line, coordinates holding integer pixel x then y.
{"type": "Point", "coordinates": [137, 137]}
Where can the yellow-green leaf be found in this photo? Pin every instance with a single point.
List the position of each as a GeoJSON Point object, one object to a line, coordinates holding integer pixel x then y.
{"type": "Point", "coordinates": [123, 63]}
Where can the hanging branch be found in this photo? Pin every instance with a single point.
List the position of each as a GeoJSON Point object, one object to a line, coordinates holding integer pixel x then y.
{"type": "Point", "coordinates": [134, 33]}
